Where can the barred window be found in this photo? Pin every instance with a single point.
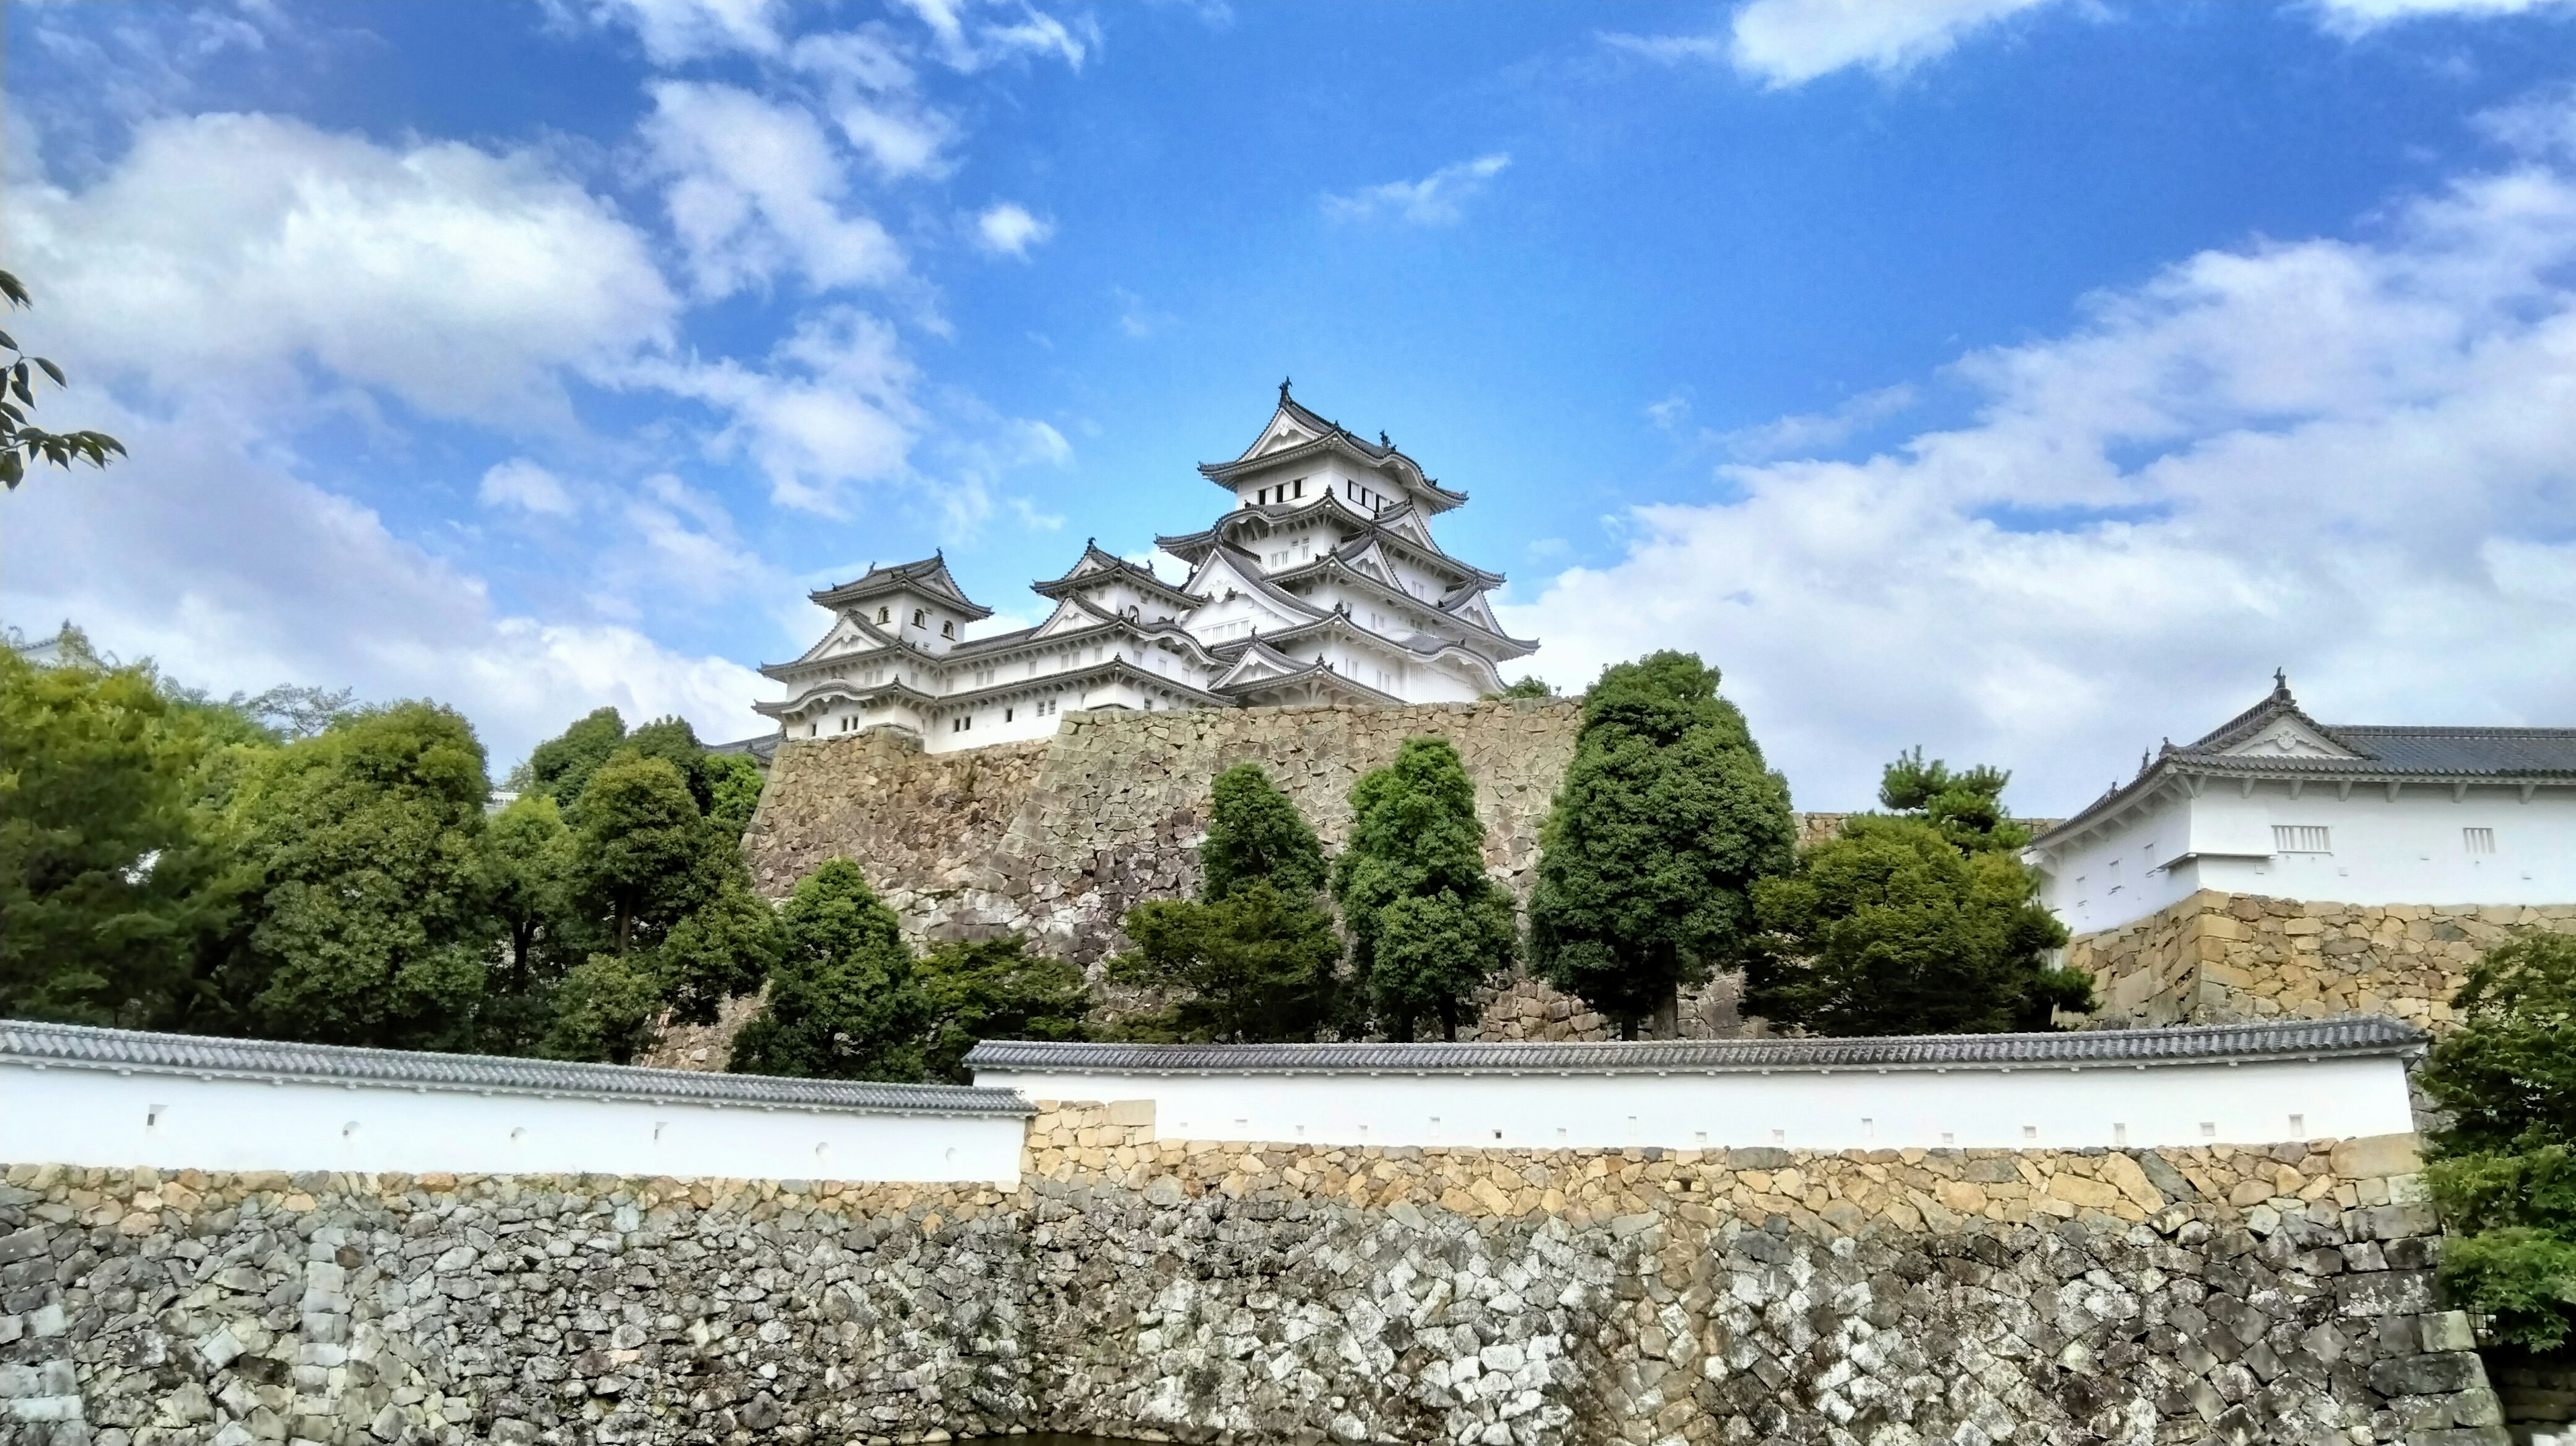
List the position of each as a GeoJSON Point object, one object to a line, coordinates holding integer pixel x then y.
{"type": "Point", "coordinates": [2478, 840]}
{"type": "Point", "coordinates": [2301, 838]}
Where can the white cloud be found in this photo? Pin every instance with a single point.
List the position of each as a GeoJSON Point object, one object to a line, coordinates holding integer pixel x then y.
{"type": "Point", "coordinates": [970, 35]}
{"type": "Point", "coordinates": [755, 189]}
{"type": "Point", "coordinates": [235, 573]}
{"type": "Point", "coordinates": [2354, 16]}
{"type": "Point", "coordinates": [2349, 458]}
{"type": "Point", "coordinates": [1815, 431]}
{"type": "Point", "coordinates": [674, 31]}
{"type": "Point", "coordinates": [1785, 43]}
{"type": "Point", "coordinates": [523, 484]}
{"type": "Point", "coordinates": [224, 252]}
{"type": "Point", "coordinates": [1008, 229]}
{"type": "Point", "coordinates": [833, 408]}
{"type": "Point", "coordinates": [1435, 200]}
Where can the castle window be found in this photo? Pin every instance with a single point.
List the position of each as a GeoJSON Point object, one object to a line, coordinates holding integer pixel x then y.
{"type": "Point", "coordinates": [919, 618]}
{"type": "Point", "coordinates": [2478, 840]}
{"type": "Point", "coordinates": [948, 630]}
{"type": "Point", "coordinates": [1300, 485]}
{"type": "Point", "coordinates": [1006, 715]}
{"type": "Point", "coordinates": [885, 615]}
{"type": "Point", "coordinates": [2301, 838]}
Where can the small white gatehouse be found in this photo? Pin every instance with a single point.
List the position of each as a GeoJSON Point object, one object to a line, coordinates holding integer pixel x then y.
{"type": "Point", "coordinates": [2273, 802]}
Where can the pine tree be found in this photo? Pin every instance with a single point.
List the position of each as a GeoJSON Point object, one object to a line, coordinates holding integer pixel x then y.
{"type": "Point", "coordinates": [1428, 927]}
{"type": "Point", "coordinates": [1252, 958]}
{"type": "Point", "coordinates": [1666, 818]}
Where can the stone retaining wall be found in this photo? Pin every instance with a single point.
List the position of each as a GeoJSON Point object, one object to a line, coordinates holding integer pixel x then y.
{"type": "Point", "coordinates": [2217, 958]}
{"type": "Point", "coordinates": [1260, 1294]}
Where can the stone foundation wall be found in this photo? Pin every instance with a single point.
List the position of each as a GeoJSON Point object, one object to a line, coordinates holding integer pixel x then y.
{"type": "Point", "coordinates": [1058, 838]}
{"type": "Point", "coordinates": [2217, 958]}
{"type": "Point", "coordinates": [1207, 1291]}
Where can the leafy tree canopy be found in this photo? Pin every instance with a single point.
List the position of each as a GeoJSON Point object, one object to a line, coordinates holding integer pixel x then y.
{"type": "Point", "coordinates": [1415, 835]}
{"type": "Point", "coordinates": [996, 989]}
{"type": "Point", "coordinates": [733, 791]}
{"type": "Point", "coordinates": [1256, 832]}
{"type": "Point", "coordinates": [1890, 928]}
{"type": "Point", "coordinates": [845, 1001]}
{"type": "Point", "coordinates": [1529, 686]}
{"type": "Point", "coordinates": [1666, 818]}
{"type": "Point", "coordinates": [1253, 967]}
{"type": "Point", "coordinates": [1967, 807]}
{"type": "Point", "coordinates": [640, 849]}
{"type": "Point", "coordinates": [21, 442]}
{"type": "Point", "coordinates": [1252, 958]}
{"type": "Point", "coordinates": [110, 886]}
{"type": "Point", "coordinates": [607, 1007]}
{"type": "Point", "coordinates": [2504, 1170]}
{"type": "Point", "coordinates": [373, 926]}
{"type": "Point", "coordinates": [561, 766]}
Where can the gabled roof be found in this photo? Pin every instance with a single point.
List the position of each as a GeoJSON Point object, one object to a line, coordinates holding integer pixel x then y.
{"type": "Point", "coordinates": [930, 575]}
{"type": "Point", "coordinates": [1321, 436]}
{"type": "Point", "coordinates": [2352, 1035]}
{"type": "Point", "coordinates": [1096, 568]}
{"type": "Point", "coordinates": [1331, 565]}
{"type": "Point", "coordinates": [1259, 669]}
{"type": "Point", "coordinates": [1244, 568]}
{"type": "Point", "coordinates": [2276, 739]}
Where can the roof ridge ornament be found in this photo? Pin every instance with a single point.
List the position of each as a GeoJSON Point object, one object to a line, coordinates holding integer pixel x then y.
{"type": "Point", "coordinates": [1283, 388]}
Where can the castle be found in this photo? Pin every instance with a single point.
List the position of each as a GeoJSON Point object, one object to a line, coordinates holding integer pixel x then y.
{"type": "Point", "coordinates": [1320, 584]}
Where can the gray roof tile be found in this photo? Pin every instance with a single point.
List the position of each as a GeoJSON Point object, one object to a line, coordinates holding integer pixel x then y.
{"type": "Point", "coordinates": [2367, 1034]}
{"type": "Point", "coordinates": [74, 1046]}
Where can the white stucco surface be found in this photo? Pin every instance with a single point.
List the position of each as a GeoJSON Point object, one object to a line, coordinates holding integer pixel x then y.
{"type": "Point", "coordinates": [95, 1116]}
{"type": "Point", "coordinates": [2254, 1102]}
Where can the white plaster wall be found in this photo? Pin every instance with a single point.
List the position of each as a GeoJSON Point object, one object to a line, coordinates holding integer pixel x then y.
{"type": "Point", "coordinates": [2179, 1105]}
{"type": "Point", "coordinates": [2406, 850]}
{"type": "Point", "coordinates": [172, 1121]}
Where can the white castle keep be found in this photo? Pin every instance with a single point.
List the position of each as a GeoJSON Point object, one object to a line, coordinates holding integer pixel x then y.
{"type": "Point", "coordinates": [1321, 584]}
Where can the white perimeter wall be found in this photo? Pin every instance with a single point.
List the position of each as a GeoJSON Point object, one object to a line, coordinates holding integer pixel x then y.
{"type": "Point", "coordinates": [100, 1117]}
{"type": "Point", "coordinates": [2255, 1103]}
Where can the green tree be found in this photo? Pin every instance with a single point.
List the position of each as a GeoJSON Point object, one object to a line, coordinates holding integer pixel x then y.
{"type": "Point", "coordinates": [996, 989]}
{"type": "Point", "coordinates": [1666, 818]}
{"type": "Point", "coordinates": [607, 1007]}
{"type": "Point", "coordinates": [733, 791]}
{"type": "Point", "coordinates": [528, 862]}
{"type": "Point", "coordinates": [1256, 832]}
{"type": "Point", "coordinates": [1414, 835]}
{"type": "Point", "coordinates": [1253, 967]}
{"type": "Point", "coordinates": [1252, 958]}
{"type": "Point", "coordinates": [561, 766]}
{"type": "Point", "coordinates": [1889, 928]}
{"type": "Point", "coordinates": [21, 442]}
{"type": "Point", "coordinates": [112, 879]}
{"type": "Point", "coordinates": [641, 856]}
{"type": "Point", "coordinates": [373, 924]}
{"type": "Point", "coordinates": [845, 1001]}
{"type": "Point", "coordinates": [1529, 686]}
{"type": "Point", "coordinates": [1967, 807]}
{"type": "Point", "coordinates": [2503, 1170]}
{"type": "Point", "coordinates": [720, 950]}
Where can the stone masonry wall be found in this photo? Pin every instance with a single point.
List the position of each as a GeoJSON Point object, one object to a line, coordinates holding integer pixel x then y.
{"type": "Point", "coordinates": [1205, 1291]}
{"type": "Point", "coordinates": [2217, 958]}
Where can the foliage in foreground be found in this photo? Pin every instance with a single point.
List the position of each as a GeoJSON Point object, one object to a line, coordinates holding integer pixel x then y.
{"type": "Point", "coordinates": [2504, 1170]}
{"type": "Point", "coordinates": [1427, 926]}
{"type": "Point", "coordinates": [1912, 923]}
{"type": "Point", "coordinates": [844, 1000]}
{"type": "Point", "coordinates": [1252, 958]}
{"type": "Point", "coordinates": [22, 442]}
{"type": "Point", "coordinates": [1666, 818]}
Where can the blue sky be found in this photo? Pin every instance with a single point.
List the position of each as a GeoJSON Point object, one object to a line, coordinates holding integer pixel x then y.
{"type": "Point", "coordinates": [2021, 378]}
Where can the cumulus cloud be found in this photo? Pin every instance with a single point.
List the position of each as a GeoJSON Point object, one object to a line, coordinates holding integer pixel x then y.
{"type": "Point", "coordinates": [236, 573]}
{"type": "Point", "coordinates": [755, 190]}
{"type": "Point", "coordinates": [225, 253]}
{"type": "Point", "coordinates": [1437, 199]}
{"type": "Point", "coordinates": [2346, 457]}
{"type": "Point", "coordinates": [832, 407]}
{"type": "Point", "coordinates": [523, 484]}
{"type": "Point", "coordinates": [1008, 229]}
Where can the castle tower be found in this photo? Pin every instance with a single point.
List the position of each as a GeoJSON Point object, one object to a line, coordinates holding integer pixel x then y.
{"type": "Point", "coordinates": [1320, 583]}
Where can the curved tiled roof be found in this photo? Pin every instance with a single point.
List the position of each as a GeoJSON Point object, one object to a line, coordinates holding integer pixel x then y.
{"type": "Point", "coordinates": [74, 1046]}
{"type": "Point", "coordinates": [2366, 1034]}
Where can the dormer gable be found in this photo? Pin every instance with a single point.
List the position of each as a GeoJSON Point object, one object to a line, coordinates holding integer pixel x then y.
{"type": "Point", "coordinates": [2289, 737]}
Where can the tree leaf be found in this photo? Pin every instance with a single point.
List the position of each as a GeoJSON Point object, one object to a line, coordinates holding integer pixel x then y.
{"type": "Point", "coordinates": [53, 371]}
